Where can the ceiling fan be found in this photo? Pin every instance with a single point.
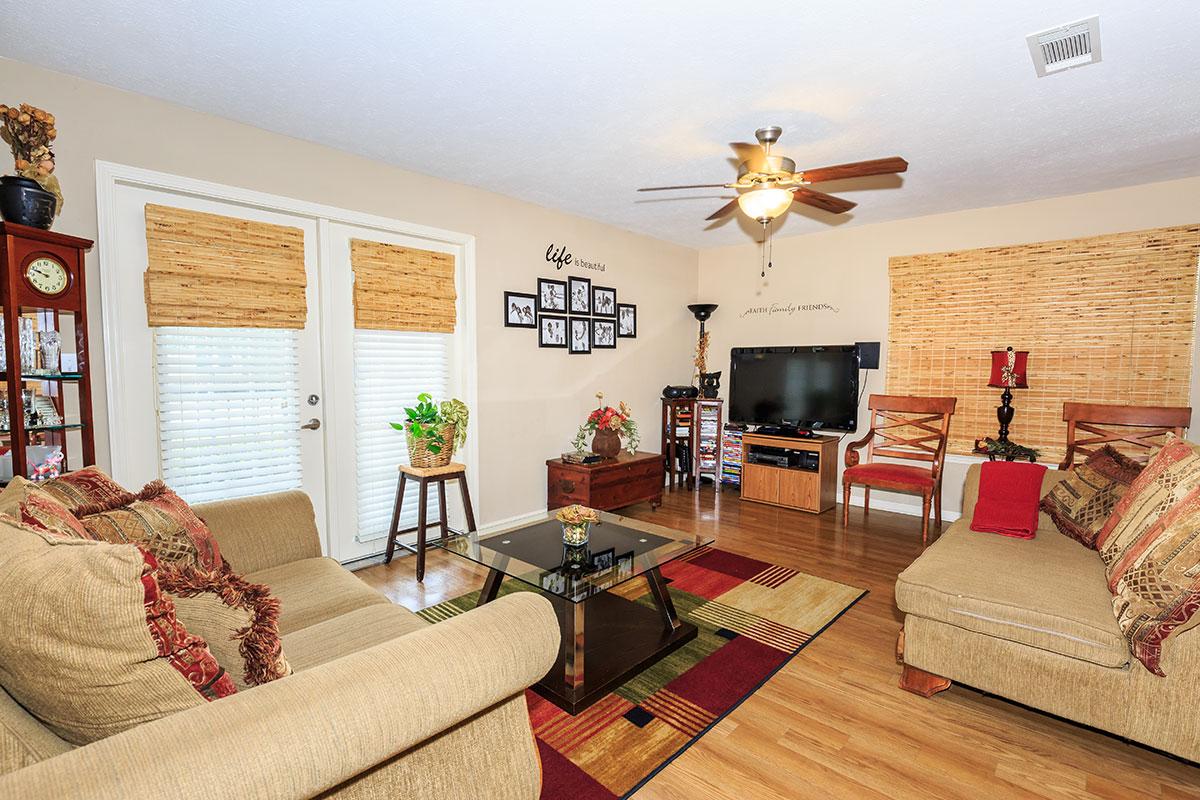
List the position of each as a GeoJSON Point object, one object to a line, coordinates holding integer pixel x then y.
{"type": "Point", "coordinates": [772, 182]}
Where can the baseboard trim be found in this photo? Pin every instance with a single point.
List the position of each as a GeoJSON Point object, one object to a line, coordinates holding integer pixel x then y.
{"type": "Point", "coordinates": [911, 510]}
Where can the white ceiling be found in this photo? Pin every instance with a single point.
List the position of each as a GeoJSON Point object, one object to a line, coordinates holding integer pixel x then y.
{"type": "Point", "coordinates": [574, 105]}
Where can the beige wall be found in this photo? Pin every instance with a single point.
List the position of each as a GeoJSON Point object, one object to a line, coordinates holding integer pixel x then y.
{"type": "Point", "coordinates": [530, 399]}
{"type": "Point", "coordinates": [847, 268]}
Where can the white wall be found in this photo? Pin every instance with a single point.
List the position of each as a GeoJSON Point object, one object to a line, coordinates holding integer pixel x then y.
{"type": "Point", "coordinates": [847, 268]}
{"type": "Point", "coordinates": [530, 400]}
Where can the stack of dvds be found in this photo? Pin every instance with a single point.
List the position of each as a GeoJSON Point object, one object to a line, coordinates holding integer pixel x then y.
{"type": "Point", "coordinates": [731, 456]}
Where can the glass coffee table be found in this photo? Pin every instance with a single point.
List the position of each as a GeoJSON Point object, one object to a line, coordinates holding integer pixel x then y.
{"type": "Point", "coordinates": [613, 637]}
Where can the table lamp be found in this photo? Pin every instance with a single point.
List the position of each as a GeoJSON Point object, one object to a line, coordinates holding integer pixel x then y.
{"type": "Point", "coordinates": [1008, 373]}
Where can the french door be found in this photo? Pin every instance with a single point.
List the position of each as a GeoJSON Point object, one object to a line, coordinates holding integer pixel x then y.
{"type": "Point", "coordinates": [233, 412]}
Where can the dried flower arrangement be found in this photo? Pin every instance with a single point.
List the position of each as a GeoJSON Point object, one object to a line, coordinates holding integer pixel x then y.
{"type": "Point", "coordinates": [701, 360]}
{"type": "Point", "coordinates": [577, 515]}
{"type": "Point", "coordinates": [30, 132]}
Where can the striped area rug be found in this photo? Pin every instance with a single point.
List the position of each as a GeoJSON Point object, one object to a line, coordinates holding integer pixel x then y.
{"type": "Point", "coordinates": [753, 617]}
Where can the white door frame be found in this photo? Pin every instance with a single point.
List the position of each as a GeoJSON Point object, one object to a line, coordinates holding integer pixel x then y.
{"type": "Point", "coordinates": [109, 176]}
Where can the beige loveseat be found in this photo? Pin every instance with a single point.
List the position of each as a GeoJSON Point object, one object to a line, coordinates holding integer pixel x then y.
{"type": "Point", "coordinates": [1032, 620]}
{"type": "Point", "coordinates": [382, 704]}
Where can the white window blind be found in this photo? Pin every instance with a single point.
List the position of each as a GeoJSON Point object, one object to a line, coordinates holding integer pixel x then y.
{"type": "Point", "coordinates": [228, 410]}
{"type": "Point", "coordinates": [390, 369]}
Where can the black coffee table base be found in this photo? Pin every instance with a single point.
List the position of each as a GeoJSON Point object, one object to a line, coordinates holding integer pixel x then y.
{"type": "Point", "coordinates": [606, 640]}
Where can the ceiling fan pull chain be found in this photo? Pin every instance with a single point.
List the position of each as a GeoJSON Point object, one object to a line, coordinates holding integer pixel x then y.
{"type": "Point", "coordinates": [770, 248]}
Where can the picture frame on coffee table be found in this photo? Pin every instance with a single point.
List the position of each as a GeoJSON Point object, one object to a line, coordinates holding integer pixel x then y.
{"type": "Point", "coordinates": [580, 292]}
{"type": "Point", "coordinates": [551, 296]}
{"type": "Point", "coordinates": [520, 310]}
{"type": "Point", "coordinates": [626, 321]}
{"type": "Point", "coordinates": [552, 331]}
{"type": "Point", "coordinates": [579, 329]}
{"type": "Point", "coordinates": [604, 302]}
{"type": "Point", "coordinates": [604, 334]}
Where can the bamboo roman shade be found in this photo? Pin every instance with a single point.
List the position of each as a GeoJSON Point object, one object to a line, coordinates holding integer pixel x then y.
{"type": "Point", "coordinates": [213, 271]}
{"type": "Point", "coordinates": [402, 288]}
{"type": "Point", "coordinates": [1107, 319]}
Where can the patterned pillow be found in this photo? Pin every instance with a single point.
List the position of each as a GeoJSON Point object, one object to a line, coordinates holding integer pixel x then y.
{"type": "Point", "coordinates": [25, 503]}
{"type": "Point", "coordinates": [157, 519]}
{"type": "Point", "coordinates": [1158, 592]}
{"type": "Point", "coordinates": [88, 642]}
{"type": "Point", "coordinates": [89, 486]}
{"type": "Point", "coordinates": [1172, 474]}
{"type": "Point", "coordinates": [238, 620]}
{"type": "Point", "coordinates": [1081, 503]}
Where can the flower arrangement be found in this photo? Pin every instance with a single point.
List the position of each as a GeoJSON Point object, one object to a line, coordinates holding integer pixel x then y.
{"type": "Point", "coordinates": [1006, 450]}
{"type": "Point", "coordinates": [575, 521]}
{"type": "Point", "coordinates": [616, 421]}
{"type": "Point", "coordinates": [30, 133]}
{"type": "Point", "coordinates": [577, 515]}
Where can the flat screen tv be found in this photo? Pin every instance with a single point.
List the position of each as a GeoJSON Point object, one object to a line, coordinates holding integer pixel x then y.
{"type": "Point", "coordinates": [804, 388]}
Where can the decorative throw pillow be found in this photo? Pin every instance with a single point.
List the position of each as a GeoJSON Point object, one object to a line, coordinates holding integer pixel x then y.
{"type": "Point", "coordinates": [26, 503]}
{"type": "Point", "coordinates": [89, 486]}
{"type": "Point", "coordinates": [1081, 503]}
{"type": "Point", "coordinates": [157, 519]}
{"type": "Point", "coordinates": [238, 620]}
{"type": "Point", "coordinates": [88, 642]}
{"type": "Point", "coordinates": [1157, 592]}
{"type": "Point", "coordinates": [1172, 474]}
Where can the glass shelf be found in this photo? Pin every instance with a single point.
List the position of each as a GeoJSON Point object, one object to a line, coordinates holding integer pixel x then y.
{"type": "Point", "coordinates": [66, 426]}
{"type": "Point", "coordinates": [49, 376]}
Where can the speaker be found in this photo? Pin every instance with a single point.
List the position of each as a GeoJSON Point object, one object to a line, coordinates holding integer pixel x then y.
{"type": "Point", "coordinates": [868, 355]}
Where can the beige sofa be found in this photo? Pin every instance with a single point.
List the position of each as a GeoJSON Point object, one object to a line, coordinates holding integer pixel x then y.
{"type": "Point", "coordinates": [1032, 620]}
{"type": "Point", "coordinates": [382, 704]}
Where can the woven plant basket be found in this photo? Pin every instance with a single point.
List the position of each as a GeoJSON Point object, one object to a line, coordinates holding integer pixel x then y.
{"type": "Point", "coordinates": [418, 449]}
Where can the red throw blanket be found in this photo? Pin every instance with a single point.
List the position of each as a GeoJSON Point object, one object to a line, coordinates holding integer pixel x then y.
{"type": "Point", "coordinates": [1009, 493]}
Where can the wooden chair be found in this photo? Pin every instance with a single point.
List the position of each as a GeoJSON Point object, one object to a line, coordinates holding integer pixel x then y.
{"type": "Point", "coordinates": [910, 428]}
{"type": "Point", "coordinates": [1138, 429]}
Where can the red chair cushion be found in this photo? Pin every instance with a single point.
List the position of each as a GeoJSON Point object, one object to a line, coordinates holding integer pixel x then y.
{"type": "Point", "coordinates": [916, 477]}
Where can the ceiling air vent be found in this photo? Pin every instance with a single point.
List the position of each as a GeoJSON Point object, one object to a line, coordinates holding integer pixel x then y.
{"type": "Point", "coordinates": [1064, 47]}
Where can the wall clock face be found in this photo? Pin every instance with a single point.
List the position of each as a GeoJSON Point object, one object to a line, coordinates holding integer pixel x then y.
{"type": "Point", "coordinates": [47, 276]}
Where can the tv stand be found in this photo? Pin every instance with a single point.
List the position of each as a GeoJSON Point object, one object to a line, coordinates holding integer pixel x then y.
{"type": "Point", "coordinates": [791, 472]}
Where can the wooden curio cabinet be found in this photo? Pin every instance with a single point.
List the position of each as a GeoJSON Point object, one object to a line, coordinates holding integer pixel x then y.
{"type": "Point", "coordinates": [46, 405]}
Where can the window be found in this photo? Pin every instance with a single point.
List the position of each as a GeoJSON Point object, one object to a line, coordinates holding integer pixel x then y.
{"type": "Point", "coordinates": [390, 369]}
{"type": "Point", "coordinates": [227, 410]}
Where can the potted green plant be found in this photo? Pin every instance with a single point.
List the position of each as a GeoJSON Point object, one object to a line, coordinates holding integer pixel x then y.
{"type": "Point", "coordinates": [434, 430]}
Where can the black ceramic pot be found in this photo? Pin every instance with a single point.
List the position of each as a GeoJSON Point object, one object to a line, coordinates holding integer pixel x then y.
{"type": "Point", "coordinates": [24, 202]}
{"type": "Point", "coordinates": [710, 384]}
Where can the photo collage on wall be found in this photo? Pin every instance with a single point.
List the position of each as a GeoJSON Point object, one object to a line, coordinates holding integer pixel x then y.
{"type": "Point", "coordinates": [572, 314]}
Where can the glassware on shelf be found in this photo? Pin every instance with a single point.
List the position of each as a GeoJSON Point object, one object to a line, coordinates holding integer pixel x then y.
{"type": "Point", "coordinates": [4, 412]}
{"type": "Point", "coordinates": [3, 351]}
{"type": "Point", "coordinates": [51, 347]}
{"type": "Point", "coordinates": [28, 346]}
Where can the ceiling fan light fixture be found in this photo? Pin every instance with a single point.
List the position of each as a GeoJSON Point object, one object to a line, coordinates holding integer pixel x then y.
{"type": "Point", "coordinates": [765, 204]}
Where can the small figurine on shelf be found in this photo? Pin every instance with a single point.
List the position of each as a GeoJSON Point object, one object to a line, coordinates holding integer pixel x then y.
{"type": "Point", "coordinates": [49, 469]}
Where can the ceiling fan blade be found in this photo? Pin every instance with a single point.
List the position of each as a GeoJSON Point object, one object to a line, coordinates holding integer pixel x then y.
{"type": "Point", "coordinates": [723, 211]}
{"type": "Point", "coordinates": [690, 186]}
{"type": "Point", "coordinates": [810, 197]}
{"type": "Point", "coordinates": [858, 169]}
{"type": "Point", "coordinates": [748, 152]}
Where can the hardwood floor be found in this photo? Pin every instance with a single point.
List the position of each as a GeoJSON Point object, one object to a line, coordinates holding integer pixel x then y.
{"type": "Point", "coordinates": [833, 723]}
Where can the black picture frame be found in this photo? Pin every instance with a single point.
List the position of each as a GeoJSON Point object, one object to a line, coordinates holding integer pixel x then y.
{"type": "Point", "coordinates": [545, 287]}
{"type": "Point", "coordinates": [529, 303]}
{"type": "Point", "coordinates": [621, 330]}
{"type": "Point", "coordinates": [604, 560]}
{"type": "Point", "coordinates": [602, 342]}
{"type": "Point", "coordinates": [574, 283]}
{"type": "Point", "coordinates": [543, 328]}
{"type": "Point", "coordinates": [572, 346]}
{"type": "Point", "coordinates": [604, 302]}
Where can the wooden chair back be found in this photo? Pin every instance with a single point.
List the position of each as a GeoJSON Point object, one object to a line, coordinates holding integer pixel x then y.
{"type": "Point", "coordinates": [913, 428]}
{"type": "Point", "coordinates": [1136, 430]}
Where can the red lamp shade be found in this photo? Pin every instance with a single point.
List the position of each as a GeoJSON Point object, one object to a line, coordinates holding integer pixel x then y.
{"type": "Point", "coordinates": [1009, 369]}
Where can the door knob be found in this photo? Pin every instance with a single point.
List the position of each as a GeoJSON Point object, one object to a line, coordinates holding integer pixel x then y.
{"type": "Point", "coordinates": [311, 425]}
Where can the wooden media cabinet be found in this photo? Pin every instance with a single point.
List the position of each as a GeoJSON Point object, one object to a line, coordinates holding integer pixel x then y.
{"type": "Point", "coordinates": [807, 483]}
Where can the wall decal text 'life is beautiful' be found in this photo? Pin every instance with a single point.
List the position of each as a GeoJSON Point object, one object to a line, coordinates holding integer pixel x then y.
{"type": "Point", "coordinates": [788, 309]}
{"type": "Point", "coordinates": [560, 257]}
